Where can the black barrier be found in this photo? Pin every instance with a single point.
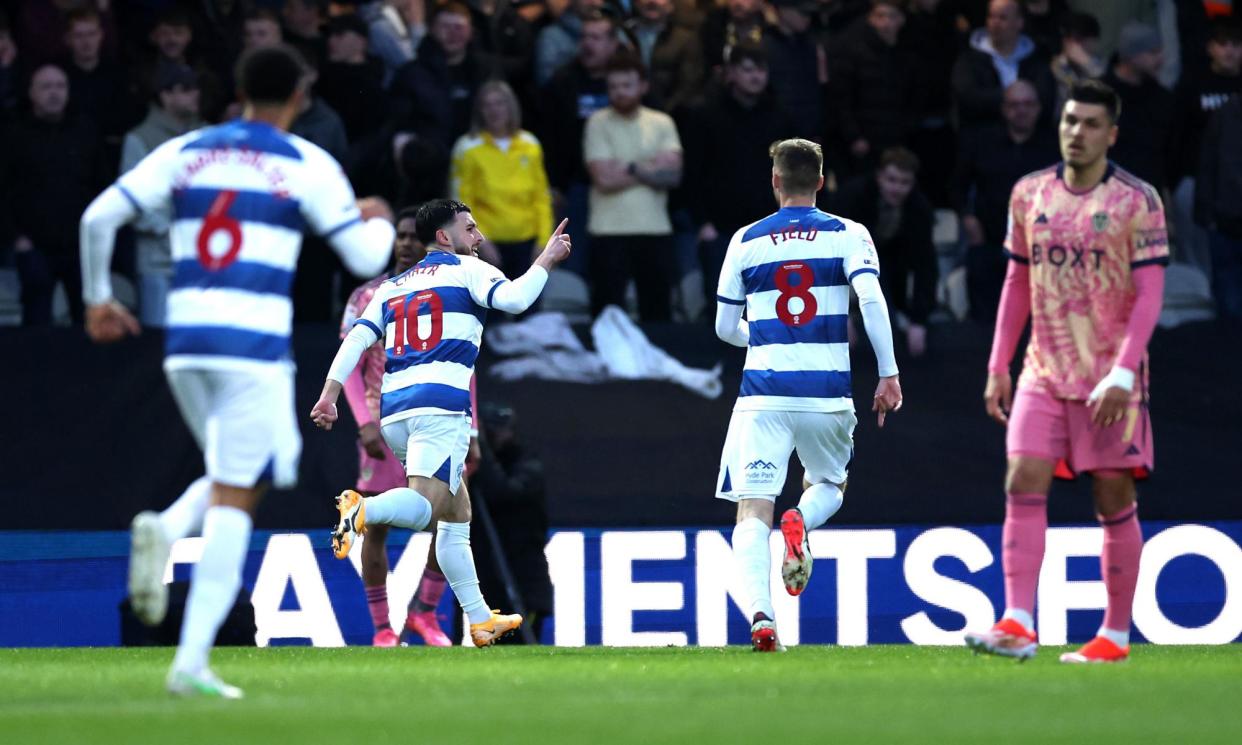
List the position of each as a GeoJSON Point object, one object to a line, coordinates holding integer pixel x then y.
{"type": "Point", "coordinates": [91, 435]}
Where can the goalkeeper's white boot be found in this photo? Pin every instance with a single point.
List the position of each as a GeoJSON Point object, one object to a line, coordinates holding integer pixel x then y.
{"type": "Point", "coordinates": [148, 558]}
{"type": "Point", "coordinates": [205, 684]}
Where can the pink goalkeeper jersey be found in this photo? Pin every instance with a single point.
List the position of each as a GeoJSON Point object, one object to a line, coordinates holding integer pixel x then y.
{"type": "Point", "coordinates": [1081, 248]}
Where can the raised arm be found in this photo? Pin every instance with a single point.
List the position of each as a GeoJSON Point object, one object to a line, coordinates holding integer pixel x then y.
{"type": "Point", "coordinates": [494, 291]}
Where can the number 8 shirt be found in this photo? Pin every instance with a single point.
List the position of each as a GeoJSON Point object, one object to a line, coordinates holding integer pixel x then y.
{"type": "Point", "coordinates": [792, 271]}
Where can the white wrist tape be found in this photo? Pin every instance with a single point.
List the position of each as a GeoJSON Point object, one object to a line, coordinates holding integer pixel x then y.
{"type": "Point", "coordinates": [1118, 377]}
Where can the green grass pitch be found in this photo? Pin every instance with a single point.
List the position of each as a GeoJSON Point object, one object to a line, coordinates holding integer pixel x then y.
{"type": "Point", "coordinates": [596, 695]}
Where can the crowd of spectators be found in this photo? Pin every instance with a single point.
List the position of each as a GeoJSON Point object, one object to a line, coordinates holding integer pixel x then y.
{"type": "Point", "coordinates": [646, 122]}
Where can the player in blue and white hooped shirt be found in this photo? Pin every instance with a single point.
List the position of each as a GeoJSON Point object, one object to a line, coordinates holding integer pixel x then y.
{"type": "Point", "coordinates": [792, 273]}
{"type": "Point", "coordinates": [431, 320]}
{"type": "Point", "coordinates": [239, 196]}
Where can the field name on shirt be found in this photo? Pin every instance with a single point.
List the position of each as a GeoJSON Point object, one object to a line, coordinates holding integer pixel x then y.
{"type": "Point", "coordinates": [793, 233]}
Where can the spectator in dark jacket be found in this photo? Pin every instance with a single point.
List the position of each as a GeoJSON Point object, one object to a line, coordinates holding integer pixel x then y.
{"type": "Point", "coordinates": [575, 92]}
{"type": "Point", "coordinates": [874, 93]}
{"type": "Point", "coordinates": [797, 66]}
{"type": "Point", "coordinates": [671, 52]}
{"type": "Point", "coordinates": [933, 39]}
{"type": "Point", "coordinates": [50, 170]}
{"type": "Point", "coordinates": [434, 94]}
{"type": "Point", "coordinates": [726, 139]}
{"type": "Point", "coordinates": [99, 89]}
{"type": "Point", "coordinates": [899, 219]}
{"type": "Point", "coordinates": [351, 81]}
{"type": "Point", "coordinates": [1218, 206]}
{"type": "Point", "coordinates": [989, 164]}
{"type": "Point", "coordinates": [1144, 146]}
{"type": "Point", "coordinates": [998, 55]}
{"type": "Point", "coordinates": [738, 22]}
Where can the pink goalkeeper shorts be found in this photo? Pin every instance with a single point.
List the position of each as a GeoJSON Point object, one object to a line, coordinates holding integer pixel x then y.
{"type": "Point", "coordinates": [375, 476]}
{"type": "Point", "coordinates": [1061, 431]}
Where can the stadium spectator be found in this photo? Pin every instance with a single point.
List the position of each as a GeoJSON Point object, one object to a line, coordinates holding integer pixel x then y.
{"type": "Point", "coordinates": [726, 139]}
{"type": "Point", "coordinates": [899, 218]}
{"type": "Point", "coordinates": [577, 91]}
{"type": "Point", "coordinates": [998, 55]}
{"type": "Point", "coordinates": [395, 28]}
{"type": "Point", "coordinates": [173, 112]}
{"type": "Point", "coordinates": [1198, 98]}
{"type": "Point", "coordinates": [261, 28]}
{"type": "Point", "coordinates": [1041, 20]}
{"type": "Point", "coordinates": [498, 170]}
{"type": "Point", "coordinates": [1218, 207]}
{"type": "Point", "coordinates": [351, 80]}
{"type": "Point", "coordinates": [557, 42]}
{"type": "Point", "coordinates": [8, 71]}
{"type": "Point", "coordinates": [932, 37]}
{"type": "Point", "coordinates": [50, 168]}
{"type": "Point", "coordinates": [726, 26]}
{"type": "Point", "coordinates": [797, 66]}
{"type": "Point", "coordinates": [874, 88]}
{"type": "Point", "coordinates": [1144, 145]}
{"type": "Point", "coordinates": [303, 29]}
{"type": "Point", "coordinates": [434, 94]}
{"type": "Point", "coordinates": [1113, 14]}
{"type": "Point", "coordinates": [510, 481]}
{"type": "Point", "coordinates": [171, 39]}
{"type": "Point", "coordinates": [672, 52]}
{"type": "Point", "coordinates": [989, 164]}
{"type": "Point", "coordinates": [633, 154]}
{"type": "Point", "coordinates": [98, 87]}
{"type": "Point", "coordinates": [41, 27]}
{"type": "Point", "coordinates": [1078, 59]}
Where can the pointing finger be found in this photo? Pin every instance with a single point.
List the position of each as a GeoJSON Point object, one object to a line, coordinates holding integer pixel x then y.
{"type": "Point", "coordinates": [561, 228]}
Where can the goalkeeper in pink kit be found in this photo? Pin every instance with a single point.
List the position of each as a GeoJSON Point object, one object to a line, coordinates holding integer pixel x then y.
{"type": "Point", "coordinates": [1087, 246]}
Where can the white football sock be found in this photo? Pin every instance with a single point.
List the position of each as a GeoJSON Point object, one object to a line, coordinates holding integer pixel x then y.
{"type": "Point", "coordinates": [402, 507]}
{"type": "Point", "coordinates": [213, 587]}
{"type": "Point", "coordinates": [184, 517]}
{"type": "Point", "coordinates": [818, 504]}
{"type": "Point", "coordinates": [754, 565]}
{"type": "Point", "coordinates": [1021, 616]}
{"type": "Point", "coordinates": [1120, 638]}
{"type": "Point", "coordinates": [457, 565]}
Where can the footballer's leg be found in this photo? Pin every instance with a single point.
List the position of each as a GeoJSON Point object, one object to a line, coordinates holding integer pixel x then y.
{"type": "Point", "coordinates": [1022, 554]}
{"type": "Point", "coordinates": [421, 614]}
{"type": "Point", "coordinates": [1117, 511]}
{"type": "Point", "coordinates": [214, 585]}
{"type": "Point", "coordinates": [825, 445]}
{"type": "Point", "coordinates": [151, 538]}
{"type": "Point", "coordinates": [375, 583]}
{"type": "Point", "coordinates": [753, 557]}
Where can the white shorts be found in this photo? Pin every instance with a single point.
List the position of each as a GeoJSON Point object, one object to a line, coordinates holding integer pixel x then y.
{"type": "Point", "coordinates": [756, 451]}
{"type": "Point", "coordinates": [244, 422]}
{"type": "Point", "coordinates": [431, 445]}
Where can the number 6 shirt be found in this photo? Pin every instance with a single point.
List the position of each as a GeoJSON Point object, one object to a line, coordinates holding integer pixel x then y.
{"type": "Point", "coordinates": [792, 271]}
{"type": "Point", "coordinates": [431, 322]}
{"type": "Point", "coordinates": [240, 195]}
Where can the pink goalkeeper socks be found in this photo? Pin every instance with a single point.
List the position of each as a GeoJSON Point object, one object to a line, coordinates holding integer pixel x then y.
{"type": "Point", "coordinates": [430, 590]}
{"type": "Point", "coordinates": [1022, 548]}
{"type": "Point", "coordinates": [377, 603]}
{"type": "Point", "coordinates": [1119, 565]}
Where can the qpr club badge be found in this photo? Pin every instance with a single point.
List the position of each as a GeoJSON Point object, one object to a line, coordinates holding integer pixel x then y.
{"type": "Point", "coordinates": [1099, 221]}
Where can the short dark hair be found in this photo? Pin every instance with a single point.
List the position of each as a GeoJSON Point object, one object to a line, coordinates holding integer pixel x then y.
{"type": "Point", "coordinates": [1096, 92]}
{"type": "Point", "coordinates": [900, 158]}
{"type": "Point", "coordinates": [85, 14]}
{"type": "Point", "coordinates": [270, 75]}
{"type": "Point", "coordinates": [626, 61]}
{"type": "Point", "coordinates": [745, 51]}
{"type": "Point", "coordinates": [597, 15]}
{"type": "Point", "coordinates": [409, 212]}
{"type": "Point", "coordinates": [262, 14]}
{"type": "Point", "coordinates": [434, 215]}
{"type": "Point", "coordinates": [455, 7]}
{"type": "Point", "coordinates": [173, 15]}
{"type": "Point", "coordinates": [1080, 26]}
{"type": "Point", "coordinates": [1226, 29]}
{"type": "Point", "coordinates": [800, 164]}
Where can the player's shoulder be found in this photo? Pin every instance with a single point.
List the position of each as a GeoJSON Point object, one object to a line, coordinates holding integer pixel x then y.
{"type": "Point", "coordinates": [1135, 188]}
{"type": "Point", "coordinates": [1037, 179]}
{"type": "Point", "coordinates": [311, 155]}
